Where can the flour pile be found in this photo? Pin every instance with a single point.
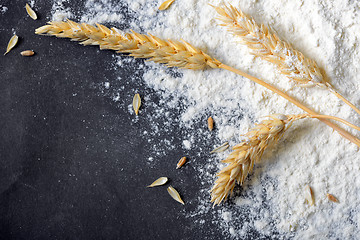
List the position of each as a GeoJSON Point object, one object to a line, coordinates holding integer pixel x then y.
{"type": "Point", "coordinates": [271, 203]}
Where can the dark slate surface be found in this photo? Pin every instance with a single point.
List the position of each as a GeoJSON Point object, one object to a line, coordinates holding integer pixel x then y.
{"type": "Point", "coordinates": [72, 163]}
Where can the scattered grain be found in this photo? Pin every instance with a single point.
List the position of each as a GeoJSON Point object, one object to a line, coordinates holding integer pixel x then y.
{"type": "Point", "coordinates": [136, 103]}
{"type": "Point", "coordinates": [175, 195]}
{"type": "Point", "coordinates": [309, 195]}
{"type": "Point", "coordinates": [332, 198]}
{"type": "Point", "coordinates": [165, 5]}
{"type": "Point", "coordinates": [31, 12]}
{"type": "Point", "coordinates": [221, 148]}
{"type": "Point", "coordinates": [27, 53]}
{"type": "Point", "coordinates": [181, 162]}
{"type": "Point", "coordinates": [158, 182]}
{"type": "Point", "coordinates": [210, 123]}
{"type": "Point", "coordinates": [13, 41]}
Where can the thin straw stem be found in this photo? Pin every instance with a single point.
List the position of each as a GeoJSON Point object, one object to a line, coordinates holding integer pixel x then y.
{"type": "Point", "coordinates": [332, 90]}
{"type": "Point", "coordinates": [336, 119]}
{"type": "Point", "coordinates": [341, 131]}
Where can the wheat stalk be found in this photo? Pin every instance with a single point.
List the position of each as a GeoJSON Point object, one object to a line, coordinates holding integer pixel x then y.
{"type": "Point", "coordinates": [268, 46]}
{"type": "Point", "coordinates": [171, 53]}
{"type": "Point", "coordinates": [244, 156]}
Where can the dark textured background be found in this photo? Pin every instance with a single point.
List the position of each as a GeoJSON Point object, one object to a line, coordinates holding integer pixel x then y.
{"type": "Point", "coordinates": [72, 163]}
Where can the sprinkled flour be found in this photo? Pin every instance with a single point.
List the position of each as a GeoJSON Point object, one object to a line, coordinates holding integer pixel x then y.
{"type": "Point", "coordinates": [271, 203]}
{"type": "Point", "coordinates": [3, 9]}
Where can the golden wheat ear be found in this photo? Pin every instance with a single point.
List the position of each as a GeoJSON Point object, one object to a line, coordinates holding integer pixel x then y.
{"type": "Point", "coordinates": [168, 52]}
{"type": "Point", "coordinates": [244, 155]}
{"type": "Point", "coordinates": [265, 44]}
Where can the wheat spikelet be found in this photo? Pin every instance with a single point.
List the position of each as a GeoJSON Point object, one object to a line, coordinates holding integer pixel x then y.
{"type": "Point", "coordinates": [246, 154]}
{"type": "Point", "coordinates": [171, 53]}
{"type": "Point", "coordinates": [268, 46]}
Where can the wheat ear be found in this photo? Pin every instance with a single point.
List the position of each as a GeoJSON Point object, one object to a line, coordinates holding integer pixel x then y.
{"type": "Point", "coordinates": [244, 156]}
{"type": "Point", "coordinates": [171, 53]}
{"type": "Point", "coordinates": [268, 46]}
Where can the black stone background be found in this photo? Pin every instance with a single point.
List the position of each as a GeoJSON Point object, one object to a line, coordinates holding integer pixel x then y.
{"type": "Point", "coordinates": [72, 163]}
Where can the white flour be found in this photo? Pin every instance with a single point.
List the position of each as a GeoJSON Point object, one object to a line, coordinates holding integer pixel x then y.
{"type": "Point", "coordinates": [3, 9]}
{"type": "Point", "coordinates": [271, 203]}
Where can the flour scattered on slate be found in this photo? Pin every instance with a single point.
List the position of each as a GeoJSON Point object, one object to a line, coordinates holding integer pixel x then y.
{"type": "Point", "coordinates": [178, 103]}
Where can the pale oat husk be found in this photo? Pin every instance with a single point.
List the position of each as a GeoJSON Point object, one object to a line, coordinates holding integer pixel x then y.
{"type": "Point", "coordinates": [136, 103]}
{"type": "Point", "coordinates": [309, 195]}
{"type": "Point", "coordinates": [31, 12]}
{"type": "Point", "coordinates": [158, 182]}
{"type": "Point", "coordinates": [12, 43]}
{"type": "Point", "coordinates": [175, 195]}
{"type": "Point", "coordinates": [221, 148]}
